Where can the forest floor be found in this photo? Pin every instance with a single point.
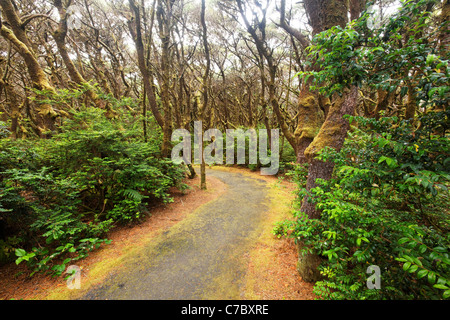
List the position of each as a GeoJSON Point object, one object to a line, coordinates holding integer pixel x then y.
{"type": "Point", "coordinates": [207, 244]}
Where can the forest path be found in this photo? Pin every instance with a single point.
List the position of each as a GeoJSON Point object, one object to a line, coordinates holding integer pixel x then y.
{"type": "Point", "coordinates": [204, 256]}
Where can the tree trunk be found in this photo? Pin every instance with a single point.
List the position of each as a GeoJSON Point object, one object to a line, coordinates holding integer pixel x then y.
{"type": "Point", "coordinates": [310, 120]}
{"type": "Point", "coordinates": [205, 86]}
{"type": "Point", "coordinates": [332, 134]}
{"type": "Point", "coordinates": [136, 33]}
{"type": "Point", "coordinates": [444, 30]}
{"type": "Point", "coordinates": [384, 99]}
{"type": "Point", "coordinates": [164, 18]}
{"type": "Point", "coordinates": [17, 36]}
{"type": "Point", "coordinates": [356, 7]}
{"type": "Point", "coordinates": [60, 38]}
{"type": "Point", "coordinates": [411, 102]}
{"type": "Point", "coordinates": [323, 15]}
{"type": "Point", "coordinates": [307, 265]}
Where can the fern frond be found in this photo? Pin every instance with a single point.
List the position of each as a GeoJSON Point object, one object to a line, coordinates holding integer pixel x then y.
{"type": "Point", "coordinates": [133, 194]}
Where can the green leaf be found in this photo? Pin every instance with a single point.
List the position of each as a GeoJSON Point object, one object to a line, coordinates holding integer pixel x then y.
{"type": "Point", "coordinates": [431, 277]}
{"type": "Point", "coordinates": [431, 92]}
{"type": "Point", "coordinates": [382, 158]}
{"type": "Point", "coordinates": [440, 286]}
{"type": "Point", "coordinates": [413, 268]}
{"type": "Point", "coordinates": [446, 294]}
{"type": "Point", "coordinates": [445, 260]}
{"type": "Point", "coordinates": [440, 249]}
{"type": "Point", "coordinates": [377, 49]}
{"type": "Point", "coordinates": [392, 163]}
{"type": "Point", "coordinates": [430, 59]}
{"type": "Point", "coordinates": [422, 273]}
{"type": "Point", "coordinates": [422, 248]}
{"type": "Point", "coordinates": [59, 268]}
{"type": "Point", "coordinates": [20, 252]}
{"type": "Point", "coordinates": [417, 261]}
{"type": "Point", "coordinates": [406, 266]}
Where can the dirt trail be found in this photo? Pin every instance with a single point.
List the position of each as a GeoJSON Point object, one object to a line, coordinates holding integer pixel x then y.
{"type": "Point", "coordinates": [202, 257]}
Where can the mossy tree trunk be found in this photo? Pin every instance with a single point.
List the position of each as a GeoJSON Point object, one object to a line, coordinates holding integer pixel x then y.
{"type": "Point", "coordinates": [324, 14]}
{"type": "Point", "coordinates": [332, 134]}
{"type": "Point", "coordinates": [16, 34]}
{"type": "Point", "coordinates": [384, 99]}
{"type": "Point", "coordinates": [310, 120]}
{"type": "Point", "coordinates": [204, 87]}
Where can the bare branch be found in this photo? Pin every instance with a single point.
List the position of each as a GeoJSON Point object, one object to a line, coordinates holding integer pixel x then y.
{"type": "Point", "coordinates": [304, 41]}
{"type": "Point", "coordinates": [28, 18]}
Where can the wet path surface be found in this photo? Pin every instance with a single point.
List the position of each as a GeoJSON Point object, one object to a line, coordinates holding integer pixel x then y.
{"type": "Point", "coordinates": [204, 256]}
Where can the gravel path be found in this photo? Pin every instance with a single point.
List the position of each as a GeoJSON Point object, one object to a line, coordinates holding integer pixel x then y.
{"type": "Point", "coordinates": [202, 257]}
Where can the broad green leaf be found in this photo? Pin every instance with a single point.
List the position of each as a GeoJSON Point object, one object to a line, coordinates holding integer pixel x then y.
{"type": "Point", "coordinates": [406, 265]}
{"type": "Point", "coordinates": [440, 286]}
{"type": "Point", "coordinates": [422, 273]}
{"type": "Point", "coordinates": [20, 252]}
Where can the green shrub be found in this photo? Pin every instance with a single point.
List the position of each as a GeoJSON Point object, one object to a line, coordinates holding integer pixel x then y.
{"type": "Point", "coordinates": [387, 205]}
{"type": "Point", "coordinates": [59, 197]}
{"type": "Point", "coordinates": [387, 202]}
{"type": "Point", "coordinates": [42, 206]}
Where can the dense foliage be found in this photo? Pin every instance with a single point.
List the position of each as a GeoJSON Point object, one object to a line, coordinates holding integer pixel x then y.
{"type": "Point", "coordinates": [60, 196]}
{"type": "Point", "coordinates": [387, 205]}
{"type": "Point", "coordinates": [387, 202]}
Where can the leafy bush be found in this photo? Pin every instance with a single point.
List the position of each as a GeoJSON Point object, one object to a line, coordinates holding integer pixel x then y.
{"type": "Point", "coordinates": [387, 205]}
{"type": "Point", "coordinates": [42, 206]}
{"type": "Point", "coordinates": [59, 197]}
{"type": "Point", "coordinates": [387, 202]}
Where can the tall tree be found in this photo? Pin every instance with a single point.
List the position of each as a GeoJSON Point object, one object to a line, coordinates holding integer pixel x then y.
{"type": "Point", "coordinates": [313, 135]}
{"type": "Point", "coordinates": [60, 35]}
{"type": "Point", "coordinates": [136, 32]}
{"type": "Point", "coordinates": [205, 81]}
{"type": "Point", "coordinates": [165, 18]}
